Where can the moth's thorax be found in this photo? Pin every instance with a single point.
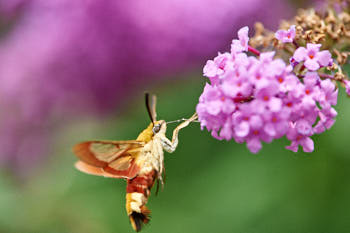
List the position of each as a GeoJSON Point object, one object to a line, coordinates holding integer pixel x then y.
{"type": "Point", "coordinates": [153, 156]}
{"type": "Point", "coordinates": [147, 134]}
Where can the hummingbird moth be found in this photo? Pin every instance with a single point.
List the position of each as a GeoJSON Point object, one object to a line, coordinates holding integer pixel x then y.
{"type": "Point", "coordinates": [140, 162]}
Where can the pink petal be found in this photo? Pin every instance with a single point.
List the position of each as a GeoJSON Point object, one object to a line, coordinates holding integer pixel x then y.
{"type": "Point", "coordinates": [243, 37]}
{"type": "Point", "coordinates": [307, 144]}
{"type": "Point", "coordinates": [210, 69]}
{"type": "Point", "coordinates": [214, 107]}
{"type": "Point", "coordinates": [300, 54]}
{"type": "Point", "coordinates": [319, 128]}
{"type": "Point", "coordinates": [291, 31]}
{"type": "Point", "coordinates": [334, 98]}
{"type": "Point", "coordinates": [242, 129]}
{"type": "Point", "coordinates": [324, 58]}
{"type": "Point", "coordinates": [327, 85]}
{"type": "Point", "coordinates": [270, 129]}
{"type": "Point", "coordinates": [287, 39]}
{"type": "Point", "coordinates": [214, 80]}
{"type": "Point", "coordinates": [236, 47]}
{"type": "Point", "coordinates": [281, 128]}
{"type": "Point", "coordinates": [267, 56]}
{"type": "Point", "coordinates": [303, 127]}
{"type": "Point", "coordinates": [214, 134]}
{"type": "Point", "coordinates": [308, 101]}
{"type": "Point", "coordinates": [293, 146]}
{"type": "Point", "coordinates": [201, 109]}
{"type": "Point", "coordinates": [229, 89]}
{"type": "Point", "coordinates": [226, 131]}
{"type": "Point", "coordinates": [256, 122]}
{"type": "Point", "coordinates": [275, 104]}
{"type": "Point", "coordinates": [280, 34]}
{"type": "Point", "coordinates": [312, 64]}
{"type": "Point", "coordinates": [333, 112]}
{"type": "Point", "coordinates": [211, 93]}
{"type": "Point", "coordinates": [329, 123]}
{"type": "Point", "coordinates": [313, 47]}
{"type": "Point", "coordinates": [254, 145]}
{"type": "Point", "coordinates": [228, 106]}
{"type": "Point", "coordinates": [311, 78]}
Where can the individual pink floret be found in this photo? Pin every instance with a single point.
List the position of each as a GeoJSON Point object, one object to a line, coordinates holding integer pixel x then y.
{"type": "Point", "coordinates": [312, 57]}
{"type": "Point", "coordinates": [242, 43]}
{"type": "Point", "coordinates": [329, 94]}
{"type": "Point", "coordinates": [327, 119]}
{"type": "Point", "coordinates": [276, 123]}
{"type": "Point", "coordinates": [217, 66]}
{"type": "Point", "coordinates": [299, 134]}
{"type": "Point", "coordinates": [286, 35]}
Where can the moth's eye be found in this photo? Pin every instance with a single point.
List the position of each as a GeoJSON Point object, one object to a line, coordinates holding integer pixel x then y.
{"type": "Point", "coordinates": [156, 128]}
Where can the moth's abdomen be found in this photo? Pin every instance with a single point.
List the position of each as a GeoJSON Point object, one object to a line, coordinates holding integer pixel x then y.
{"type": "Point", "coordinates": [137, 193]}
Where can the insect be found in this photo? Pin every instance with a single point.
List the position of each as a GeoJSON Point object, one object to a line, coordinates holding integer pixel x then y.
{"type": "Point", "coordinates": [140, 162]}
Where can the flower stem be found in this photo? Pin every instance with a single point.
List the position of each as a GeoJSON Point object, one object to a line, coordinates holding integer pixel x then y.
{"type": "Point", "coordinates": [326, 76]}
{"type": "Point", "coordinates": [295, 44]}
{"type": "Point", "coordinates": [253, 50]}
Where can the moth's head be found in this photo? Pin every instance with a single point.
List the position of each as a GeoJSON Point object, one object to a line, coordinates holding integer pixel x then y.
{"type": "Point", "coordinates": [159, 127]}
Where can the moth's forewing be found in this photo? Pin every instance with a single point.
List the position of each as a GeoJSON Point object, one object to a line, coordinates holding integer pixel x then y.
{"type": "Point", "coordinates": [100, 153]}
{"type": "Point", "coordinates": [116, 158]}
{"type": "Point", "coordinates": [88, 169]}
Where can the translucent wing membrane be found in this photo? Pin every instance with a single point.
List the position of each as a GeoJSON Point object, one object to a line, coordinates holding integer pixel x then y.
{"type": "Point", "coordinates": [109, 158]}
{"type": "Point", "coordinates": [92, 170]}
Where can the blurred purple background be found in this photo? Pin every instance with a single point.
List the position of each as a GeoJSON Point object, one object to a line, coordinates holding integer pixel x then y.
{"type": "Point", "coordinates": [64, 58]}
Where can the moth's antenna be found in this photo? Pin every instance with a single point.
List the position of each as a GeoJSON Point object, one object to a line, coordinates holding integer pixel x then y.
{"type": "Point", "coordinates": [150, 107]}
{"type": "Point", "coordinates": [153, 107]}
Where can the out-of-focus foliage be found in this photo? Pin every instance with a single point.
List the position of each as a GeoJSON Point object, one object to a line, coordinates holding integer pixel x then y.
{"type": "Point", "coordinates": [211, 186]}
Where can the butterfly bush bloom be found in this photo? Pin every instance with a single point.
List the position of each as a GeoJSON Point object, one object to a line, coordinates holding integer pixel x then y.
{"type": "Point", "coordinates": [258, 99]}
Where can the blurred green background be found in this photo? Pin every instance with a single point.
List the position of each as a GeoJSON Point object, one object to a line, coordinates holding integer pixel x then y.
{"type": "Point", "coordinates": [72, 71]}
{"type": "Point", "coordinates": [211, 185]}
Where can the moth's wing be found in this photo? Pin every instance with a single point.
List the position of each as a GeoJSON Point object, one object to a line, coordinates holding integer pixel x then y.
{"type": "Point", "coordinates": [92, 170]}
{"type": "Point", "coordinates": [100, 153]}
{"type": "Point", "coordinates": [116, 158]}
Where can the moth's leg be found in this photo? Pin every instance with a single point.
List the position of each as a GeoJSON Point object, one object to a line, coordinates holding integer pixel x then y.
{"type": "Point", "coordinates": [160, 155]}
{"type": "Point", "coordinates": [170, 146]}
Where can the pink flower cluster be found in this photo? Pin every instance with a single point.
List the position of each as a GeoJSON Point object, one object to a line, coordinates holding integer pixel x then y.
{"type": "Point", "coordinates": [257, 99]}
